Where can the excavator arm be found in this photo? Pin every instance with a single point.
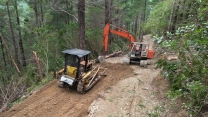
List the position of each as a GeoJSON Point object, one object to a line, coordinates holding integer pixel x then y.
{"type": "Point", "coordinates": [118, 31]}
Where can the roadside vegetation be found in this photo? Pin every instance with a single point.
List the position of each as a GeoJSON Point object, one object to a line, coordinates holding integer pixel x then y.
{"type": "Point", "coordinates": [189, 41]}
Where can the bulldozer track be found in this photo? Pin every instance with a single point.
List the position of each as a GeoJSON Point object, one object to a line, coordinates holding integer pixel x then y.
{"type": "Point", "coordinates": [80, 87]}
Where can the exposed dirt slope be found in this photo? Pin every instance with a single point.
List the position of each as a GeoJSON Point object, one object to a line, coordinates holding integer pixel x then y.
{"type": "Point", "coordinates": [52, 101]}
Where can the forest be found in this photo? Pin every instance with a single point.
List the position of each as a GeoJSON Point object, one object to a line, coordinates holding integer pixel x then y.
{"type": "Point", "coordinates": [34, 32]}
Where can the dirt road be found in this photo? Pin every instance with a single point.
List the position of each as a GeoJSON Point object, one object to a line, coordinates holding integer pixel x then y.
{"type": "Point", "coordinates": [136, 96]}
{"type": "Point", "coordinates": [52, 101]}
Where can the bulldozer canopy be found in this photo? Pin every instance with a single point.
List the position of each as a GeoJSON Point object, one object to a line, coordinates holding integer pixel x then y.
{"type": "Point", "coordinates": [78, 52]}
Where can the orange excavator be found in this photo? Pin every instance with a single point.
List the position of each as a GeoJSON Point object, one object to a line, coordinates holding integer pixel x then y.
{"type": "Point", "coordinates": [138, 51]}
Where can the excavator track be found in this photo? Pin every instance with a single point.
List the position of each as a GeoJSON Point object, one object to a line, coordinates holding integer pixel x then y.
{"type": "Point", "coordinates": [143, 63]}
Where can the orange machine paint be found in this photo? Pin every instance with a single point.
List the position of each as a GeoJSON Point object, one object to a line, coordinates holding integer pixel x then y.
{"type": "Point", "coordinates": [151, 54]}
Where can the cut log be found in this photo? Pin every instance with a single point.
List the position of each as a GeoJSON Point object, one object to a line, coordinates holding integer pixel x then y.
{"type": "Point", "coordinates": [101, 59]}
{"type": "Point", "coordinates": [113, 54]}
{"type": "Point", "coordinates": [172, 57]}
{"type": "Point", "coordinates": [169, 57]}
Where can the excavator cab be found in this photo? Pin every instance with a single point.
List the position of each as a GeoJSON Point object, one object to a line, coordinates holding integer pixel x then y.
{"type": "Point", "coordinates": [140, 53]}
{"type": "Point", "coordinates": [139, 50]}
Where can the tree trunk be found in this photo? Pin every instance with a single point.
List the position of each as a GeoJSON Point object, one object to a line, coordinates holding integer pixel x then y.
{"type": "Point", "coordinates": [67, 7]}
{"type": "Point", "coordinates": [188, 8]}
{"type": "Point", "coordinates": [36, 13]}
{"type": "Point", "coordinates": [81, 23]}
{"type": "Point", "coordinates": [20, 36]}
{"type": "Point", "coordinates": [116, 18]}
{"type": "Point", "coordinates": [143, 19]}
{"type": "Point", "coordinates": [107, 16]}
{"type": "Point", "coordinates": [181, 10]}
{"type": "Point", "coordinates": [175, 18]}
{"type": "Point", "coordinates": [127, 26]}
{"type": "Point", "coordinates": [13, 37]}
{"type": "Point", "coordinates": [141, 28]}
{"type": "Point", "coordinates": [171, 18]}
{"type": "Point", "coordinates": [71, 9]}
{"type": "Point", "coordinates": [10, 54]}
{"type": "Point", "coordinates": [145, 7]}
{"type": "Point", "coordinates": [2, 48]}
{"type": "Point", "coordinates": [41, 11]}
{"type": "Point", "coordinates": [136, 25]}
{"type": "Point", "coordinates": [110, 11]}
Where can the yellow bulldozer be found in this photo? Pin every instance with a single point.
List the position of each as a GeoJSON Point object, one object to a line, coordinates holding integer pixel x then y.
{"type": "Point", "coordinates": [78, 71]}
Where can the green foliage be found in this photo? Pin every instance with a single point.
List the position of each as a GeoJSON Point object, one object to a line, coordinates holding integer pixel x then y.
{"type": "Point", "coordinates": [51, 42]}
{"type": "Point", "coordinates": [156, 112]}
{"type": "Point", "coordinates": [119, 44]}
{"type": "Point", "coordinates": [37, 85]}
{"type": "Point", "coordinates": [188, 75]}
{"type": "Point", "coordinates": [94, 41]}
{"type": "Point", "coordinates": [31, 74]}
{"type": "Point", "coordinates": [157, 22]}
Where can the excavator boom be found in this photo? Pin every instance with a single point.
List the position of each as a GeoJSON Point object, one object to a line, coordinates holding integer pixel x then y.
{"type": "Point", "coordinates": [118, 31]}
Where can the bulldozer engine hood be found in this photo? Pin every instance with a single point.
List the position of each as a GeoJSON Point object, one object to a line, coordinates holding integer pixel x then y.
{"type": "Point", "coordinates": [67, 79]}
{"type": "Point", "coordinates": [78, 52]}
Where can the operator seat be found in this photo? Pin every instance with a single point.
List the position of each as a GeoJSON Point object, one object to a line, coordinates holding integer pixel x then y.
{"type": "Point", "coordinates": [138, 50]}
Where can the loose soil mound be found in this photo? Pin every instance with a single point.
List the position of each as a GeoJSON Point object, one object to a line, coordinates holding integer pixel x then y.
{"type": "Point", "coordinates": [52, 101]}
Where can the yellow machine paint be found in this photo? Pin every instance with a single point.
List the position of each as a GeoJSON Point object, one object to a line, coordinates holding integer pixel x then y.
{"type": "Point", "coordinates": [71, 71]}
